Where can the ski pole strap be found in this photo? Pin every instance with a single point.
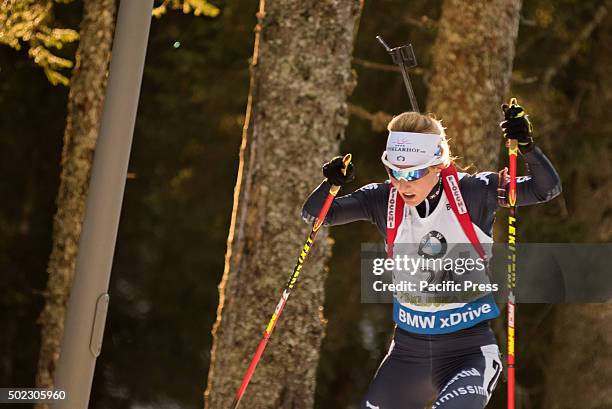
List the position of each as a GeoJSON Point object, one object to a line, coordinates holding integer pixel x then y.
{"type": "Point", "coordinates": [450, 183]}
{"type": "Point", "coordinates": [333, 191]}
{"type": "Point", "coordinates": [502, 183]}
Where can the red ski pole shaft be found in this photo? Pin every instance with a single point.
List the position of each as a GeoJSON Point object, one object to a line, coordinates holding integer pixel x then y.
{"type": "Point", "coordinates": [333, 191]}
{"type": "Point", "coordinates": [512, 154]}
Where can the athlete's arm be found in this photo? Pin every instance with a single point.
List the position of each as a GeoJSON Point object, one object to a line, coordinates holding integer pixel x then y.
{"type": "Point", "coordinates": [363, 204]}
{"type": "Point", "coordinates": [541, 184]}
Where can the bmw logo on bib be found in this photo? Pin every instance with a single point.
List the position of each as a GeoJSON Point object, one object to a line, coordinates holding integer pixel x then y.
{"type": "Point", "coordinates": [433, 245]}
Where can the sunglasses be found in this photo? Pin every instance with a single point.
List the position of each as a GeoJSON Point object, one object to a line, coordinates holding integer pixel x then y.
{"type": "Point", "coordinates": [408, 175]}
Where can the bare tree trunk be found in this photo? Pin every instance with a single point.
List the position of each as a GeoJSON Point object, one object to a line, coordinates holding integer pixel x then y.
{"type": "Point", "coordinates": [579, 373]}
{"type": "Point", "coordinates": [296, 115]}
{"type": "Point", "coordinates": [85, 101]}
{"type": "Point", "coordinates": [472, 67]}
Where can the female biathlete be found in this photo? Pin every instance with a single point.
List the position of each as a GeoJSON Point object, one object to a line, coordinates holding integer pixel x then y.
{"type": "Point", "coordinates": [455, 361]}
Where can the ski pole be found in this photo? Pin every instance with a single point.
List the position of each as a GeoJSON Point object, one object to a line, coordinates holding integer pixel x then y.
{"type": "Point", "coordinates": [333, 191]}
{"type": "Point", "coordinates": [512, 154]}
{"type": "Point", "coordinates": [404, 57]}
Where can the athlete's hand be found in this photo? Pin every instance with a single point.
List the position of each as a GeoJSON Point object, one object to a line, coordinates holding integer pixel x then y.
{"type": "Point", "coordinates": [332, 170]}
{"type": "Point", "coordinates": [517, 125]}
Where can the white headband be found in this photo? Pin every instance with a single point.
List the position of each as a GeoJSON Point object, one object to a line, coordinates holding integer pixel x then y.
{"type": "Point", "coordinates": [420, 150]}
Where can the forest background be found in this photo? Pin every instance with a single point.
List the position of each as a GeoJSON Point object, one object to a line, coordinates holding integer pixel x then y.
{"type": "Point", "coordinates": [176, 213]}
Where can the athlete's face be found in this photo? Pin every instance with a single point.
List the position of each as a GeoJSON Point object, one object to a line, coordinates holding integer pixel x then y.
{"type": "Point", "coordinates": [414, 192]}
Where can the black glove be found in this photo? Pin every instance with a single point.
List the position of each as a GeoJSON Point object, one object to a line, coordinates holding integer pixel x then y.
{"type": "Point", "coordinates": [332, 170]}
{"type": "Point", "coordinates": [517, 125]}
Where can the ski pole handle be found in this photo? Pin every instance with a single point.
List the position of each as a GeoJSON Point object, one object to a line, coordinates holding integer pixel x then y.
{"type": "Point", "coordinates": [333, 191]}
{"type": "Point", "coordinates": [512, 155]}
{"type": "Point", "coordinates": [346, 160]}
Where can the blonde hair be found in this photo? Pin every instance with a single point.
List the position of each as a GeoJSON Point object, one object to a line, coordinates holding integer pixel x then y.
{"type": "Point", "coordinates": [416, 122]}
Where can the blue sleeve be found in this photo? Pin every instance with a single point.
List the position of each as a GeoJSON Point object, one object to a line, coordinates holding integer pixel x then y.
{"type": "Point", "coordinates": [541, 184]}
{"type": "Point", "coordinates": [367, 203]}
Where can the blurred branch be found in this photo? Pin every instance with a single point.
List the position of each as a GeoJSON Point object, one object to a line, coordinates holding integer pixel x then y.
{"type": "Point", "coordinates": [161, 10]}
{"type": "Point", "coordinates": [28, 21]}
{"type": "Point", "coordinates": [544, 32]}
{"type": "Point", "coordinates": [526, 22]}
{"type": "Point", "coordinates": [378, 121]}
{"type": "Point", "coordinates": [574, 48]}
{"type": "Point", "coordinates": [197, 7]}
{"type": "Point", "coordinates": [387, 67]}
{"type": "Point", "coordinates": [424, 23]}
{"type": "Point", "coordinates": [526, 44]}
{"type": "Point", "coordinates": [576, 104]}
{"type": "Point", "coordinates": [376, 66]}
{"type": "Point", "coordinates": [518, 79]}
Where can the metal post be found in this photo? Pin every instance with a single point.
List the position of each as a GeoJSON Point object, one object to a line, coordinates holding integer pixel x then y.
{"type": "Point", "coordinates": [88, 303]}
